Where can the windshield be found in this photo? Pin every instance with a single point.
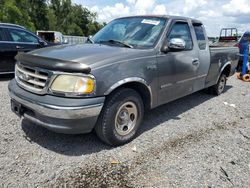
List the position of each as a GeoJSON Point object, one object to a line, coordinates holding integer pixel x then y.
{"type": "Point", "coordinates": [138, 32]}
{"type": "Point", "coordinates": [245, 38]}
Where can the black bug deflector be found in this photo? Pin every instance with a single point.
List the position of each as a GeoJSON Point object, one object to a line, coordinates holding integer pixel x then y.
{"type": "Point", "coordinates": [52, 63]}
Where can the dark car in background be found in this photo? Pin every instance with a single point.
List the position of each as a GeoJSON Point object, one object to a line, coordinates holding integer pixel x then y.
{"type": "Point", "coordinates": [14, 39]}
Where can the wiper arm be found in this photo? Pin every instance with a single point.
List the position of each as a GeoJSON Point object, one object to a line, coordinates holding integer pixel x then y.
{"type": "Point", "coordinates": [117, 42]}
{"type": "Point", "coordinates": [90, 40]}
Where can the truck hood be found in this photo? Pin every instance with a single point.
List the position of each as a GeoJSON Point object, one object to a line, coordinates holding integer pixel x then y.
{"type": "Point", "coordinates": [77, 58]}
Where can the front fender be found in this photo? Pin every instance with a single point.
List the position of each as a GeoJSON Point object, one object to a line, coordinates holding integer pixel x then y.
{"type": "Point", "coordinates": [127, 80]}
{"type": "Point", "coordinates": [134, 80]}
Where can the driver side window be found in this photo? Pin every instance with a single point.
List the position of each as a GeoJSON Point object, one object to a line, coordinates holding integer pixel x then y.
{"type": "Point", "coordinates": [181, 30]}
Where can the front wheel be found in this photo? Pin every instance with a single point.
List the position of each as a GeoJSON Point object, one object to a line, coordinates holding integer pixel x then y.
{"type": "Point", "coordinates": [120, 118]}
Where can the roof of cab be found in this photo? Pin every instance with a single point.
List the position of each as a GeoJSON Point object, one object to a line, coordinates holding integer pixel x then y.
{"type": "Point", "coordinates": [195, 21]}
{"type": "Point", "coordinates": [11, 25]}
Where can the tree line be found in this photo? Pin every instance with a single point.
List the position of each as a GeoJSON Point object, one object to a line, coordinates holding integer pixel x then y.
{"type": "Point", "coordinates": [55, 15]}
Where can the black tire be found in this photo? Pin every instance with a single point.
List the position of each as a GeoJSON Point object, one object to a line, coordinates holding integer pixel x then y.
{"type": "Point", "coordinates": [219, 88]}
{"type": "Point", "coordinates": [107, 128]}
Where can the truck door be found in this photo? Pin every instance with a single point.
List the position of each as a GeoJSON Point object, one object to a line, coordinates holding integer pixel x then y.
{"type": "Point", "coordinates": [204, 56]}
{"type": "Point", "coordinates": [177, 69]}
{"type": "Point", "coordinates": [7, 53]}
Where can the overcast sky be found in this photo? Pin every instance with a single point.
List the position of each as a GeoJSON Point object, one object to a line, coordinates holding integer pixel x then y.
{"type": "Point", "coordinates": [215, 14]}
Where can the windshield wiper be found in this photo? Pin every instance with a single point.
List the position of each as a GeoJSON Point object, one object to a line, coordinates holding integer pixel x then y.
{"type": "Point", "coordinates": [117, 42]}
{"type": "Point", "coordinates": [90, 40]}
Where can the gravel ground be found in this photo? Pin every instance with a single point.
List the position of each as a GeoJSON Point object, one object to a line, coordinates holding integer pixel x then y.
{"type": "Point", "coordinates": [197, 141]}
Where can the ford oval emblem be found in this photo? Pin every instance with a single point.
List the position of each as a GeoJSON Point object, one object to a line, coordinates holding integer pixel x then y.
{"type": "Point", "coordinates": [25, 77]}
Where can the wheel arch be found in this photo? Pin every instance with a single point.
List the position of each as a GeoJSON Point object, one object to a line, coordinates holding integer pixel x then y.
{"type": "Point", "coordinates": [138, 84]}
{"type": "Point", "coordinates": [226, 69]}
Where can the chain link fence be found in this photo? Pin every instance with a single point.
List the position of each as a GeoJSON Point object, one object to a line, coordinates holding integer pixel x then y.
{"type": "Point", "coordinates": [74, 39]}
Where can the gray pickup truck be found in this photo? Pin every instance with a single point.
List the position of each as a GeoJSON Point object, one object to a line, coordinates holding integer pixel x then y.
{"type": "Point", "coordinates": [133, 64]}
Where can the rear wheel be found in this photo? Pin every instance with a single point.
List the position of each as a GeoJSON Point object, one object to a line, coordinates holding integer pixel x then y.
{"type": "Point", "coordinates": [220, 86]}
{"type": "Point", "coordinates": [120, 118]}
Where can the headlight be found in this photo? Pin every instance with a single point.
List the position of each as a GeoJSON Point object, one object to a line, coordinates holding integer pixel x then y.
{"type": "Point", "coordinates": [73, 84]}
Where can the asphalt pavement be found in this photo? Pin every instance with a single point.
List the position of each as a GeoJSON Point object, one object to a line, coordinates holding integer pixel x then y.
{"type": "Point", "coordinates": [197, 141]}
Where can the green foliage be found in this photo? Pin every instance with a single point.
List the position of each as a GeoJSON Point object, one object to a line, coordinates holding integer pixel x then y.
{"type": "Point", "coordinates": [56, 15]}
{"type": "Point", "coordinates": [38, 12]}
{"type": "Point", "coordinates": [16, 13]}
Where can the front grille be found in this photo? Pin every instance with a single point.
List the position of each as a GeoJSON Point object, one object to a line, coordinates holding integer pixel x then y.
{"type": "Point", "coordinates": [31, 79]}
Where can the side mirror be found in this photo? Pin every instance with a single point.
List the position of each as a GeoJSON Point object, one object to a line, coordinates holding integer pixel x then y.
{"type": "Point", "coordinates": [177, 44]}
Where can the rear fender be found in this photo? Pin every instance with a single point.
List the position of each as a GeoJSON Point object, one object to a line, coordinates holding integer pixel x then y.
{"type": "Point", "coordinates": [224, 68]}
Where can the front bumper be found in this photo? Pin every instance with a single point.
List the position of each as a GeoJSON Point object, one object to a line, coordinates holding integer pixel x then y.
{"type": "Point", "coordinates": [63, 115]}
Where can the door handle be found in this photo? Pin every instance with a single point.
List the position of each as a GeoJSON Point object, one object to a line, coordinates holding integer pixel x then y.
{"type": "Point", "coordinates": [19, 47]}
{"type": "Point", "coordinates": [195, 61]}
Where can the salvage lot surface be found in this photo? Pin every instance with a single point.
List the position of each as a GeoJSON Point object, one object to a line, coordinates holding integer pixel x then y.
{"type": "Point", "coordinates": [196, 141]}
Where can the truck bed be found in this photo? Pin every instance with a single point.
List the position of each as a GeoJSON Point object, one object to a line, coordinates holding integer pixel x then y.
{"type": "Point", "coordinates": [220, 56]}
{"type": "Point", "coordinates": [223, 44]}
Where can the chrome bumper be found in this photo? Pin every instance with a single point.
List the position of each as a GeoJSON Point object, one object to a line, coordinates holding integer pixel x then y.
{"type": "Point", "coordinates": [57, 117]}
{"type": "Point", "coordinates": [61, 112]}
